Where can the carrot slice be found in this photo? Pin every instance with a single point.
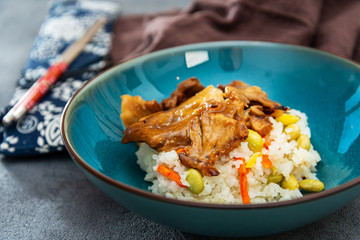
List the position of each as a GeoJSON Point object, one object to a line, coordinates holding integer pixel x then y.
{"type": "Point", "coordinates": [243, 181]}
{"type": "Point", "coordinates": [167, 172]}
{"type": "Point", "coordinates": [242, 169]}
{"type": "Point", "coordinates": [266, 161]}
{"type": "Point", "coordinates": [244, 189]}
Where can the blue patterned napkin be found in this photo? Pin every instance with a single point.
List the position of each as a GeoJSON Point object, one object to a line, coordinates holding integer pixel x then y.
{"type": "Point", "coordinates": [38, 132]}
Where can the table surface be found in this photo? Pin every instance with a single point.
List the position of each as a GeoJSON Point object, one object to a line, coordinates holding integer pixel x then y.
{"type": "Point", "coordinates": [47, 197]}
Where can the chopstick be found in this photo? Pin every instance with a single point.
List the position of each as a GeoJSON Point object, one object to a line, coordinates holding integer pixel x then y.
{"type": "Point", "coordinates": [43, 84]}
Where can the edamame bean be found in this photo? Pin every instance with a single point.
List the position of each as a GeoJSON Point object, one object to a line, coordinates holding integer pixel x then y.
{"type": "Point", "coordinates": [311, 185]}
{"type": "Point", "coordinates": [255, 141]}
{"type": "Point", "coordinates": [290, 183]}
{"type": "Point", "coordinates": [287, 119]}
{"type": "Point", "coordinates": [275, 178]}
{"type": "Point", "coordinates": [303, 141]}
{"type": "Point", "coordinates": [195, 181]}
{"type": "Point", "coordinates": [293, 130]}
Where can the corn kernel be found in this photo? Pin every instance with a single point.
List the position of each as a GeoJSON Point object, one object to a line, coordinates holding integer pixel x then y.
{"type": "Point", "coordinates": [253, 159]}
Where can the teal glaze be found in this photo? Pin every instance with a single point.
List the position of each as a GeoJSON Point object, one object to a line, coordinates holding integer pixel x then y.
{"type": "Point", "coordinates": [325, 87]}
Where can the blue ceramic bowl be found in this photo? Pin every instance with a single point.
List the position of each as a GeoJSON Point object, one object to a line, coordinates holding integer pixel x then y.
{"type": "Point", "coordinates": [325, 87]}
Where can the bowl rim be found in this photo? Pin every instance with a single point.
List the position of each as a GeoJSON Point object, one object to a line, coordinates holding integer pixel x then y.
{"type": "Point", "coordinates": [146, 194]}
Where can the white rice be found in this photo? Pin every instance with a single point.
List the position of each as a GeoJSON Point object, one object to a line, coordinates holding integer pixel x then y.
{"type": "Point", "coordinates": [225, 188]}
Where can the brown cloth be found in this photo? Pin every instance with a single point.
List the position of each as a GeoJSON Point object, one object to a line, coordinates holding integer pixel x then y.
{"type": "Point", "coordinates": [328, 25]}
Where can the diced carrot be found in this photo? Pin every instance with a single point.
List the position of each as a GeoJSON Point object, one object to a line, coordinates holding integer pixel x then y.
{"type": "Point", "coordinates": [267, 142]}
{"type": "Point", "coordinates": [244, 189]}
{"type": "Point", "coordinates": [266, 161]}
{"type": "Point", "coordinates": [167, 172]}
{"type": "Point", "coordinates": [180, 150]}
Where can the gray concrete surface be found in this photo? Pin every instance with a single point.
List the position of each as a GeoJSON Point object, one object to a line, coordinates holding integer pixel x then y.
{"type": "Point", "coordinates": [49, 198]}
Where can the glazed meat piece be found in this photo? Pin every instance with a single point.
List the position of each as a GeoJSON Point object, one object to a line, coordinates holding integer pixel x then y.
{"type": "Point", "coordinates": [252, 95]}
{"type": "Point", "coordinates": [213, 135]}
{"type": "Point", "coordinates": [215, 132]}
{"type": "Point", "coordinates": [134, 108]}
{"type": "Point", "coordinates": [164, 135]}
{"type": "Point", "coordinates": [184, 91]}
{"type": "Point", "coordinates": [262, 125]}
{"type": "Point", "coordinates": [257, 105]}
{"type": "Point", "coordinates": [169, 129]}
{"type": "Point", "coordinates": [206, 125]}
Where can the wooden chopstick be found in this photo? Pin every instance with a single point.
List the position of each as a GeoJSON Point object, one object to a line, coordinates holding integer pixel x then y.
{"type": "Point", "coordinates": [43, 84]}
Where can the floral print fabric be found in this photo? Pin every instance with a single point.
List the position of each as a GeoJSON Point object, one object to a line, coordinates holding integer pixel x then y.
{"type": "Point", "coordinates": [38, 132]}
